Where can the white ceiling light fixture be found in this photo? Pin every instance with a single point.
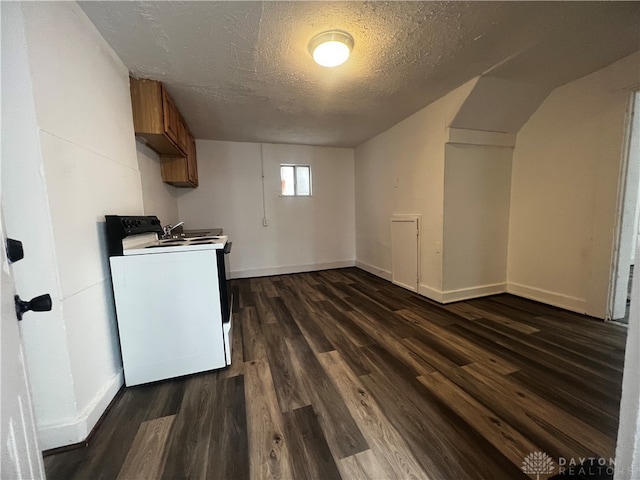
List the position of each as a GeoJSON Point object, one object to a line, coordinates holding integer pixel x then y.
{"type": "Point", "coordinates": [331, 48]}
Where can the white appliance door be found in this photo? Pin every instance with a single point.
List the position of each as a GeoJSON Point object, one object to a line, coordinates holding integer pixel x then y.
{"type": "Point", "coordinates": [169, 317]}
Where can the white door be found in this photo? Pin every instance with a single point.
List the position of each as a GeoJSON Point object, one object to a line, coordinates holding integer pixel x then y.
{"type": "Point", "coordinates": [405, 234]}
{"type": "Point", "coordinates": [20, 456]}
{"type": "Point", "coordinates": [628, 220]}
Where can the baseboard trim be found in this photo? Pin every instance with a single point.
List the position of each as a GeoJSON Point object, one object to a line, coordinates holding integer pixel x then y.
{"type": "Point", "coordinates": [430, 292]}
{"type": "Point", "coordinates": [473, 292]}
{"type": "Point", "coordinates": [450, 296]}
{"type": "Point", "coordinates": [55, 435]}
{"type": "Point", "coordinates": [567, 302]}
{"type": "Point", "coordinates": [378, 272]}
{"type": "Point", "coordinates": [286, 269]}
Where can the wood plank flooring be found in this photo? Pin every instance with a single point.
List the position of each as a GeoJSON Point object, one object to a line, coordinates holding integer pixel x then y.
{"type": "Point", "coordinates": [339, 374]}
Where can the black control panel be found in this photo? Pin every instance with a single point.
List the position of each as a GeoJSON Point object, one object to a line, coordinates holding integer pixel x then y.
{"type": "Point", "coordinates": [119, 227]}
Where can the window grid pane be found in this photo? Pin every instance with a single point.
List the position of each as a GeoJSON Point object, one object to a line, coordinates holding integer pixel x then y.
{"type": "Point", "coordinates": [303, 184]}
{"type": "Point", "coordinates": [287, 180]}
{"type": "Point", "coordinates": [295, 180]}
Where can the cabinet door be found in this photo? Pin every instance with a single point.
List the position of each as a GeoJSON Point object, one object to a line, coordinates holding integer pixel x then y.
{"type": "Point", "coordinates": [183, 136]}
{"type": "Point", "coordinates": [171, 117]}
{"type": "Point", "coordinates": [192, 162]}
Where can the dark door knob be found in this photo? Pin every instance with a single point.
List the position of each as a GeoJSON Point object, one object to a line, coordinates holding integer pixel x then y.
{"type": "Point", "coordinates": [41, 303]}
{"type": "Point", "coordinates": [15, 251]}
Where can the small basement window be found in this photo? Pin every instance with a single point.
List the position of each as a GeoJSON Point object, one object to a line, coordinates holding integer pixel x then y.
{"type": "Point", "coordinates": [295, 180]}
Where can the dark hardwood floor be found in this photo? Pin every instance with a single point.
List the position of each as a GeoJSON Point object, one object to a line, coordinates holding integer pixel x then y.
{"type": "Point", "coordinates": [339, 374]}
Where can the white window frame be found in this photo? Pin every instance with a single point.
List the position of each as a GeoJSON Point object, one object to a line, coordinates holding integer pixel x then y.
{"type": "Point", "coordinates": [295, 179]}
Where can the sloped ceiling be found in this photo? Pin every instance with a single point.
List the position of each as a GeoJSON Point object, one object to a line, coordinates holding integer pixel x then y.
{"type": "Point", "coordinates": [241, 71]}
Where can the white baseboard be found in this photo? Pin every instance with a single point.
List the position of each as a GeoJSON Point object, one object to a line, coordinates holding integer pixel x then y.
{"type": "Point", "coordinates": [578, 305]}
{"type": "Point", "coordinates": [311, 267]}
{"type": "Point", "coordinates": [76, 430]}
{"type": "Point", "coordinates": [378, 272]}
{"type": "Point", "coordinates": [449, 296]}
{"type": "Point", "coordinates": [473, 292]}
{"type": "Point", "coordinates": [430, 292]}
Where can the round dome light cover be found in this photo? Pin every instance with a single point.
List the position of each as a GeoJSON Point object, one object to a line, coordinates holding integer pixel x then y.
{"type": "Point", "coordinates": [331, 48]}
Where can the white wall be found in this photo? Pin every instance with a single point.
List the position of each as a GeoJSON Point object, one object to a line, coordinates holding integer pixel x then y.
{"type": "Point", "coordinates": [303, 233]}
{"type": "Point", "coordinates": [476, 220]}
{"type": "Point", "coordinates": [158, 198]}
{"type": "Point", "coordinates": [499, 105]}
{"type": "Point", "coordinates": [401, 171]}
{"type": "Point", "coordinates": [566, 168]}
{"type": "Point", "coordinates": [87, 167]}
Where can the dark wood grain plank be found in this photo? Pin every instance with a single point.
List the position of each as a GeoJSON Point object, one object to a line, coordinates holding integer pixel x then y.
{"type": "Point", "coordinates": [547, 349]}
{"type": "Point", "coordinates": [343, 344]}
{"type": "Point", "coordinates": [253, 340]}
{"type": "Point", "coordinates": [228, 452]}
{"type": "Point", "coordinates": [337, 423]}
{"type": "Point", "coordinates": [146, 456]}
{"type": "Point", "coordinates": [245, 296]}
{"type": "Point", "coordinates": [570, 399]}
{"type": "Point", "coordinates": [525, 356]}
{"type": "Point", "coordinates": [111, 445]}
{"type": "Point", "coordinates": [466, 347]}
{"type": "Point", "coordinates": [189, 441]}
{"type": "Point", "coordinates": [264, 308]}
{"type": "Point", "coordinates": [394, 458]}
{"type": "Point", "coordinates": [269, 452]}
{"type": "Point", "coordinates": [342, 373]}
{"type": "Point", "coordinates": [337, 318]}
{"type": "Point", "coordinates": [309, 450]}
{"type": "Point", "coordinates": [269, 288]}
{"type": "Point", "coordinates": [540, 409]}
{"type": "Point", "coordinates": [391, 342]}
{"type": "Point", "coordinates": [291, 391]}
{"type": "Point", "coordinates": [511, 443]}
{"type": "Point", "coordinates": [423, 419]}
{"type": "Point", "coordinates": [307, 322]}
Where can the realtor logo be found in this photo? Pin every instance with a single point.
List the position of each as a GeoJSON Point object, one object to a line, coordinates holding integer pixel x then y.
{"type": "Point", "coordinates": [538, 463]}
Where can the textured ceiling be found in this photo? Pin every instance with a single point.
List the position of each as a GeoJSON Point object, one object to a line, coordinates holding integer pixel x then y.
{"type": "Point", "coordinates": [241, 70]}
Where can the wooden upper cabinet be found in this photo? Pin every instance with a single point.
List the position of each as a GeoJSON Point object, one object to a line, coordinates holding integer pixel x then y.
{"type": "Point", "coordinates": [181, 171]}
{"type": "Point", "coordinates": [155, 116]}
{"type": "Point", "coordinates": [192, 162]}
{"type": "Point", "coordinates": [171, 118]}
{"type": "Point", "coordinates": [158, 121]}
{"type": "Point", "coordinates": [183, 136]}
